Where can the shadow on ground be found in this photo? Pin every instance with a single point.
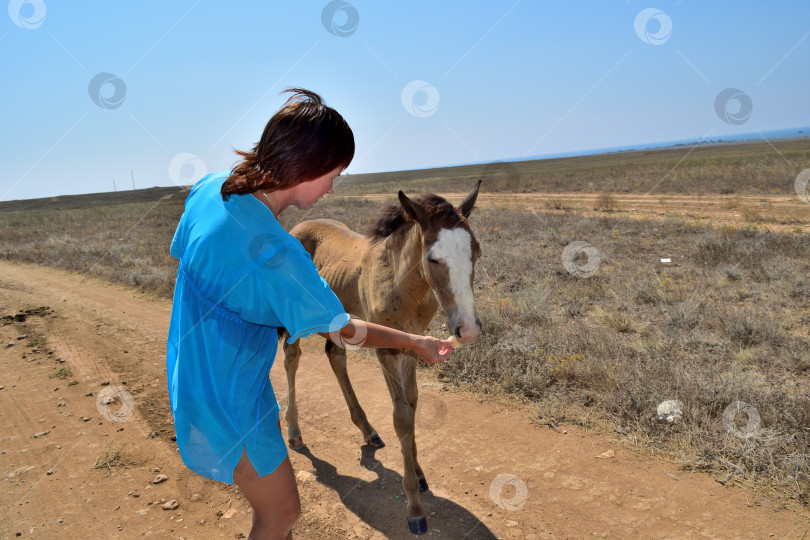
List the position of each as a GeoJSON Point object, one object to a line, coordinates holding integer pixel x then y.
{"type": "Point", "coordinates": [380, 503]}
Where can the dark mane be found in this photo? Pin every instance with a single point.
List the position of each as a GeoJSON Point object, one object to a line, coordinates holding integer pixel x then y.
{"type": "Point", "coordinates": [392, 217]}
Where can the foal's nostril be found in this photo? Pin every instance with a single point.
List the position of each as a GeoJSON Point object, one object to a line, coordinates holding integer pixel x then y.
{"type": "Point", "coordinates": [458, 332]}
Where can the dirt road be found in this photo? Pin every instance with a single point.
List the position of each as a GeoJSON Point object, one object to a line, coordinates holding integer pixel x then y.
{"type": "Point", "coordinates": [73, 465]}
{"type": "Point", "coordinates": [776, 212]}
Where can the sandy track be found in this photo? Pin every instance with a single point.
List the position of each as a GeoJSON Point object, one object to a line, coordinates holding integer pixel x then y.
{"type": "Point", "coordinates": [771, 211]}
{"type": "Point", "coordinates": [106, 333]}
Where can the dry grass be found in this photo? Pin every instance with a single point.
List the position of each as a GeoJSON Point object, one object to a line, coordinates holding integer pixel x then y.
{"type": "Point", "coordinates": [725, 321]}
{"type": "Point", "coordinates": [115, 457]}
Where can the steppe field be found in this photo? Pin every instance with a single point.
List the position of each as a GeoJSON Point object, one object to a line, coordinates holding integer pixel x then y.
{"type": "Point", "coordinates": [694, 286]}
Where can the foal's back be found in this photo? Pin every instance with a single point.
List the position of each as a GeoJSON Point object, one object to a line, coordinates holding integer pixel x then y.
{"type": "Point", "coordinates": [338, 253]}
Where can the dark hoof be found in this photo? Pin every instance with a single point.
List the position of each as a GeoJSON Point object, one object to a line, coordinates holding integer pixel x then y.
{"type": "Point", "coordinates": [375, 441]}
{"type": "Point", "coordinates": [418, 525]}
{"type": "Point", "coordinates": [423, 484]}
{"type": "Point", "coordinates": [296, 444]}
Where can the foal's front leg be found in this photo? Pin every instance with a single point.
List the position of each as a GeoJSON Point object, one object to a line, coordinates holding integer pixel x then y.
{"type": "Point", "coordinates": [337, 359]}
{"type": "Point", "coordinates": [400, 374]}
{"type": "Point", "coordinates": [292, 353]}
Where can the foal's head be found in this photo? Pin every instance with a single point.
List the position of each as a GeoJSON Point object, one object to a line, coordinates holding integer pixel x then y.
{"type": "Point", "coordinates": [449, 253]}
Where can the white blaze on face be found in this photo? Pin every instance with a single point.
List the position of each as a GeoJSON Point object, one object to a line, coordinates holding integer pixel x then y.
{"type": "Point", "coordinates": [454, 248]}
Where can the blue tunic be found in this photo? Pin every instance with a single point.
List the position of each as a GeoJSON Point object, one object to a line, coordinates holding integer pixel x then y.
{"type": "Point", "coordinates": [241, 277]}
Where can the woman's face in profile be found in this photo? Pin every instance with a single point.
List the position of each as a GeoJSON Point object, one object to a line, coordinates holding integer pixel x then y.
{"type": "Point", "coordinates": [307, 193]}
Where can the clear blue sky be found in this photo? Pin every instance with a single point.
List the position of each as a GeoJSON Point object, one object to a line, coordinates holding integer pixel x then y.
{"type": "Point", "coordinates": [500, 80]}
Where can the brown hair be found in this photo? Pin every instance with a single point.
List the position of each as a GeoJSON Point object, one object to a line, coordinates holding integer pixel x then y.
{"type": "Point", "coordinates": [304, 140]}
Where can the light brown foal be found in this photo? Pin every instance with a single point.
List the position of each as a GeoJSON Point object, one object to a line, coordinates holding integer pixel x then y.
{"type": "Point", "coordinates": [419, 254]}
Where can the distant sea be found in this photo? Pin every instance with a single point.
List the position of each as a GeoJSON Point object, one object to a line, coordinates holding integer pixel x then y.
{"type": "Point", "coordinates": [790, 133]}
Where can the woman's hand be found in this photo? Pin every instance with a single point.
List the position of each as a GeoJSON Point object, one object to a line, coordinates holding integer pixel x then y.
{"type": "Point", "coordinates": [434, 351]}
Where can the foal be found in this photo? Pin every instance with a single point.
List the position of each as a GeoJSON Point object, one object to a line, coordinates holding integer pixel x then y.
{"type": "Point", "coordinates": [419, 254]}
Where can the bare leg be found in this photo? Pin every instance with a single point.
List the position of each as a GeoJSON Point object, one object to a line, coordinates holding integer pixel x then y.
{"type": "Point", "coordinates": [274, 499]}
{"type": "Point", "coordinates": [337, 359]}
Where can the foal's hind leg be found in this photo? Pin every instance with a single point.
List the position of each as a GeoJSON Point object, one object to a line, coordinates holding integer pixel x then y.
{"type": "Point", "coordinates": [292, 353]}
{"type": "Point", "coordinates": [337, 359]}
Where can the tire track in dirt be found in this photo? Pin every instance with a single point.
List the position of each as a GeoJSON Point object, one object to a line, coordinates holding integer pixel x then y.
{"type": "Point", "coordinates": [555, 486]}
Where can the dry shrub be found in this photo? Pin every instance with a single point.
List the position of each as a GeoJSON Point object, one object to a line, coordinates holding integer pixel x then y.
{"type": "Point", "coordinates": [606, 202]}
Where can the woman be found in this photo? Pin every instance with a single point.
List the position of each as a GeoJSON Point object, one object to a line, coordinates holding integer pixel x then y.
{"type": "Point", "coordinates": [240, 278]}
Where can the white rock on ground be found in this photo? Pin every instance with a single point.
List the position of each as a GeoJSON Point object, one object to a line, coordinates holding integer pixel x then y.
{"type": "Point", "coordinates": [670, 411]}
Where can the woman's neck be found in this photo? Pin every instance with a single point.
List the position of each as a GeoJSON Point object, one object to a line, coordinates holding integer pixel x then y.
{"type": "Point", "coordinates": [274, 200]}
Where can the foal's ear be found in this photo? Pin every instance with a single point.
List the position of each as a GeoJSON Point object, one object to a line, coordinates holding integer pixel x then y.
{"type": "Point", "coordinates": [469, 201]}
{"type": "Point", "coordinates": [413, 210]}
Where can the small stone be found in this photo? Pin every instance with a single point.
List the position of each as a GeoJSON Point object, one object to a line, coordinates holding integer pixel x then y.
{"type": "Point", "coordinates": [159, 479]}
{"type": "Point", "coordinates": [105, 383]}
{"type": "Point", "coordinates": [1, 386]}
{"type": "Point", "coordinates": [10, 344]}
{"type": "Point", "coordinates": [41, 434]}
{"type": "Point", "coordinates": [510, 523]}
{"type": "Point", "coordinates": [171, 505]}
{"type": "Point", "coordinates": [22, 337]}
{"type": "Point", "coordinates": [49, 473]}
{"type": "Point", "coordinates": [195, 497]}
{"type": "Point", "coordinates": [134, 494]}
{"type": "Point", "coordinates": [229, 514]}
{"type": "Point", "coordinates": [61, 404]}
{"type": "Point", "coordinates": [304, 476]}
{"type": "Point", "coordinates": [156, 470]}
{"type": "Point", "coordinates": [89, 394]}
{"type": "Point", "coordinates": [85, 419]}
{"type": "Point", "coordinates": [154, 434]}
{"type": "Point", "coordinates": [606, 454]}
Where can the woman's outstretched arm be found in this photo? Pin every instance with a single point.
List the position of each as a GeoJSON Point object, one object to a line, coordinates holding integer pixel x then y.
{"type": "Point", "coordinates": [359, 333]}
